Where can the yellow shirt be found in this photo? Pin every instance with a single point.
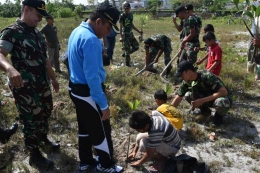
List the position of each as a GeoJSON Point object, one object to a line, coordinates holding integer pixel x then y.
{"type": "Point", "coordinates": [172, 114]}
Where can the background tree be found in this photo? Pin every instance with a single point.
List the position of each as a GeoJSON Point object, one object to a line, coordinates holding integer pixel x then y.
{"type": "Point", "coordinates": [9, 9]}
{"type": "Point", "coordinates": [152, 6]}
{"type": "Point", "coordinates": [78, 10]}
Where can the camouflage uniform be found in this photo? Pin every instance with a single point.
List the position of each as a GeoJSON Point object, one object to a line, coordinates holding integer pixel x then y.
{"type": "Point", "coordinates": [33, 101]}
{"type": "Point", "coordinates": [162, 42]}
{"type": "Point", "coordinates": [130, 43]}
{"type": "Point", "coordinates": [198, 19]}
{"type": "Point", "coordinates": [188, 52]}
{"type": "Point", "coordinates": [208, 84]}
{"type": "Point", "coordinates": [182, 35]}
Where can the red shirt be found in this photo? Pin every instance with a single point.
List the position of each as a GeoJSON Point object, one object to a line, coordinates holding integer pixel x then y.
{"type": "Point", "coordinates": [214, 54]}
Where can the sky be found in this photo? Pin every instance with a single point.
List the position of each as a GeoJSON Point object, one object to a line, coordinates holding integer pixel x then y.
{"type": "Point", "coordinates": [84, 2]}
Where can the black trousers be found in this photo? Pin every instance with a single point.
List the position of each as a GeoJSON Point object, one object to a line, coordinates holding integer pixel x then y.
{"type": "Point", "coordinates": [92, 131]}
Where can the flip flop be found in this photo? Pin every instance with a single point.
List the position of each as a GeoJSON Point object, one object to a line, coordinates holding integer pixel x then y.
{"type": "Point", "coordinates": [155, 168]}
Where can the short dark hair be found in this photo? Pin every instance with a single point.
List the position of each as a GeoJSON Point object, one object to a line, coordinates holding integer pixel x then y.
{"type": "Point", "coordinates": [148, 42]}
{"type": "Point", "coordinates": [209, 36]}
{"type": "Point", "coordinates": [208, 28]}
{"type": "Point", "coordinates": [94, 15]}
{"type": "Point", "coordinates": [49, 17]}
{"type": "Point", "coordinates": [139, 119]}
{"type": "Point", "coordinates": [160, 95]}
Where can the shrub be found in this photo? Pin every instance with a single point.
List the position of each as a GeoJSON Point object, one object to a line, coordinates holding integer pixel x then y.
{"type": "Point", "coordinates": [65, 12]}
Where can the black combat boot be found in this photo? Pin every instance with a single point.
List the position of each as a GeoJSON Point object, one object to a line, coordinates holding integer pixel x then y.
{"type": "Point", "coordinates": [36, 159]}
{"type": "Point", "coordinates": [127, 61]}
{"type": "Point", "coordinates": [54, 146]}
{"type": "Point", "coordinates": [205, 111]}
{"type": "Point", "coordinates": [168, 71]}
{"type": "Point", "coordinates": [7, 133]}
{"type": "Point", "coordinates": [217, 119]}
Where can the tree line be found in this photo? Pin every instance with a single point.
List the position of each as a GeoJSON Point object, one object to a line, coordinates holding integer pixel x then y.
{"type": "Point", "coordinates": [66, 8]}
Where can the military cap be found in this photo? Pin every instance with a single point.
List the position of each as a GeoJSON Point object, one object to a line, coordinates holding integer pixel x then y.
{"type": "Point", "coordinates": [38, 5]}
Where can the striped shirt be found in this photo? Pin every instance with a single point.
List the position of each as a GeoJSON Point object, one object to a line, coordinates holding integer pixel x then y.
{"type": "Point", "coordinates": [162, 131]}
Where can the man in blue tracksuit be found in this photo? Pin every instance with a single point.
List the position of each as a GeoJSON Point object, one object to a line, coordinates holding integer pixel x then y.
{"type": "Point", "coordinates": [86, 89]}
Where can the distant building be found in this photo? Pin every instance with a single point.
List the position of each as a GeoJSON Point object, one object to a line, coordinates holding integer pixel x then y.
{"type": "Point", "coordinates": [166, 4]}
{"type": "Point", "coordinates": [136, 4]}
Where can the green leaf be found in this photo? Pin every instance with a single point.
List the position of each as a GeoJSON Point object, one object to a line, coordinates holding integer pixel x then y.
{"type": "Point", "coordinates": [253, 8]}
{"type": "Point", "coordinates": [235, 2]}
{"type": "Point", "coordinates": [257, 11]}
{"type": "Point", "coordinates": [167, 88]}
{"type": "Point", "coordinates": [248, 13]}
{"type": "Point", "coordinates": [130, 104]}
{"type": "Point", "coordinates": [118, 108]}
{"type": "Point", "coordinates": [247, 3]}
{"type": "Point", "coordinates": [136, 104]}
{"type": "Point", "coordinates": [194, 83]}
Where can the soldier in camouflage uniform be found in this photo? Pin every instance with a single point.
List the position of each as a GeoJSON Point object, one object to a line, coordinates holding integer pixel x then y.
{"type": "Point", "coordinates": [29, 77]}
{"type": "Point", "coordinates": [130, 44]}
{"type": "Point", "coordinates": [155, 46]}
{"type": "Point", "coordinates": [189, 8]}
{"type": "Point", "coordinates": [191, 33]}
{"type": "Point", "coordinates": [202, 90]}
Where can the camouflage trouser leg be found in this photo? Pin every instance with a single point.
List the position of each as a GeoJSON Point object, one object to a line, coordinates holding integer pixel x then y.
{"type": "Point", "coordinates": [167, 59]}
{"type": "Point", "coordinates": [127, 60]}
{"type": "Point", "coordinates": [167, 54]}
{"type": "Point", "coordinates": [188, 53]}
{"type": "Point", "coordinates": [130, 43]}
{"type": "Point", "coordinates": [152, 54]}
{"type": "Point", "coordinates": [221, 104]}
{"type": "Point", "coordinates": [34, 109]}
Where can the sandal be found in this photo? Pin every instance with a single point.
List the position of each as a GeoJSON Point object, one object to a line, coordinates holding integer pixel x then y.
{"type": "Point", "coordinates": [155, 168]}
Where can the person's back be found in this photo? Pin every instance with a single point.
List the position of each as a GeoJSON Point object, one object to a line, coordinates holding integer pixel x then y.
{"type": "Point", "coordinates": [158, 139]}
{"type": "Point", "coordinates": [189, 8]}
{"type": "Point", "coordinates": [188, 23]}
{"type": "Point", "coordinates": [172, 114]}
{"type": "Point", "coordinates": [169, 111]}
{"type": "Point", "coordinates": [162, 127]}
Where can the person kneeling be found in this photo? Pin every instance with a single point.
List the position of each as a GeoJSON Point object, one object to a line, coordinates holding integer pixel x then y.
{"type": "Point", "coordinates": [157, 139]}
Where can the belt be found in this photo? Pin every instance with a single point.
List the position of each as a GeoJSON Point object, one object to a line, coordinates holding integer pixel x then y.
{"type": "Point", "coordinates": [82, 89]}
